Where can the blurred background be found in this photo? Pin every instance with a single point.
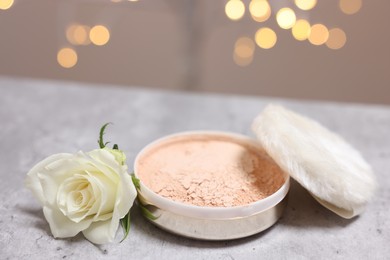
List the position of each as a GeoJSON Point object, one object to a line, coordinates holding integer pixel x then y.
{"type": "Point", "coordinates": [335, 50]}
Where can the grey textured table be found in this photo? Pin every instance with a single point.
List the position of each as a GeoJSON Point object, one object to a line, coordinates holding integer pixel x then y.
{"type": "Point", "coordinates": [39, 118]}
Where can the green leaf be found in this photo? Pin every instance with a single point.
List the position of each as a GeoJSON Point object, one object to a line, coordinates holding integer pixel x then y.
{"type": "Point", "coordinates": [146, 212]}
{"type": "Point", "coordinates": [125, 222]}
{"type": "Point", "coordinates": [100, 141]}
{"type": "Point", "coordinates": [115, 147]}
{"type": "Point", "coordinates": [135, 182]}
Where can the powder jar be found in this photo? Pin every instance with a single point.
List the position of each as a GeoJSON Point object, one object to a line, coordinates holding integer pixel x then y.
{"type": "Point", "coordinates": [172, 188]}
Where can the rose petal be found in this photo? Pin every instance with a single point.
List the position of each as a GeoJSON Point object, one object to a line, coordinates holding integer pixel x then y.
{"type": "Point", "coordinates": [105, 190]}
{"type": "Point", "coordinates": [61, 226]}
{"type": "Point", "coordinates": [32, 181]}
{"type": "Point", "coordinates": [56, 173]}
{"type": "Point", "coordinates": [106, 163]}
{"type": "Point", "coordinates": [126, 195]}
{"type": "Point", "coordinates": [104, 231]}
{"type": "Point", "coordinates": [103, 217]}
{"type": "Point", "coordinates": [75, 186]}
{"type": "Point", "coordinates": [99, 232]}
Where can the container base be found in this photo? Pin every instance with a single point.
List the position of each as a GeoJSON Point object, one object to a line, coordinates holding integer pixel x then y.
{"type": "Point", "coordinates": [217, 229]}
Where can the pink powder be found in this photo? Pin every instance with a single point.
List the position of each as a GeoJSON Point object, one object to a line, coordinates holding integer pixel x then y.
{"type": "Point", "coordinates": [209, 170]}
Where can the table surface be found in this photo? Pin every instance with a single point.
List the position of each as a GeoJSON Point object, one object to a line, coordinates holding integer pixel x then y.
{"type": "Point", "coordinates": [40, 118]}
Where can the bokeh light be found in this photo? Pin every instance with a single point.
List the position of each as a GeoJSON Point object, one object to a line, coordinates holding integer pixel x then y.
{"type": "Point", "coordinates": [350, 6]}
{"type": "Point", "coordinates": [319, 34]}
{"type": "Point", "coordinates": [301, 30]}
{"type": "Point", "coordinates": [67, 57]}
{"type": "Point", "coordinates": [265, 38]}
{"type": "Point", "coordinates": [337, 39]}
{"type": "Point", "coordinates": [244, 47]}
{"type": "Point", "coordinates": [235, 9]}
{"type": "Point", "coordinates": [286, 18]}
{"type": "Point", "coordinates": [243, 51]}
{"type": "Point", "coordinates": [305, 4]}
{"type": "Point", "coordinates": [78, 34]}
{"type": "Point", "coordinates": [6, 4]}
{"type": "Point", "coordinates": [260, 10]}
{"type": "Point", "coordinates": [99, 35]}
{"type": "Point", "coordinates": [242, 61]}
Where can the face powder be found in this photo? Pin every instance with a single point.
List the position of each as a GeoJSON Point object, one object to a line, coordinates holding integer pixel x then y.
{"type": "Point", "coordinates": [209, 170]}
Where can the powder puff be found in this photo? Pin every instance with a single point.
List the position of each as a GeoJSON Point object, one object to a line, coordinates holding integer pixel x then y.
{"type": "Point", "coordinates": [321, 161]}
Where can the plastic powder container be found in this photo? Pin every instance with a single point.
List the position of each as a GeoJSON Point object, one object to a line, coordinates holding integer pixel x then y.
{"type": "Point", "coordinates": [211, 185]}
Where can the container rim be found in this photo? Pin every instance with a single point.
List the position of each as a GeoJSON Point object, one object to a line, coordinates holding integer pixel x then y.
{"type": "Point", "coordinates": [209, 212]}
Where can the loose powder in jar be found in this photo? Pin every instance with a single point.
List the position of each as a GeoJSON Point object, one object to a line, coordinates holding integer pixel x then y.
{"type": "Point", "coordinates": [209, 170]}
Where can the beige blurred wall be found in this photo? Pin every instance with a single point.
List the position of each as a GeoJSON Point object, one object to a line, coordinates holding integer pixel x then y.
{"type": "Point", "coordinates": [188, 45]}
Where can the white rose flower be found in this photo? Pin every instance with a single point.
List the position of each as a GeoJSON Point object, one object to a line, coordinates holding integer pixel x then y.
{"type": "Point", "coordinates": [83, 192]}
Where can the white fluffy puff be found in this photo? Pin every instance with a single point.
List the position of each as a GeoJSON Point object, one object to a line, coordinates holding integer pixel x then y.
{"type": "Point", "coordinates": [321, 161]}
